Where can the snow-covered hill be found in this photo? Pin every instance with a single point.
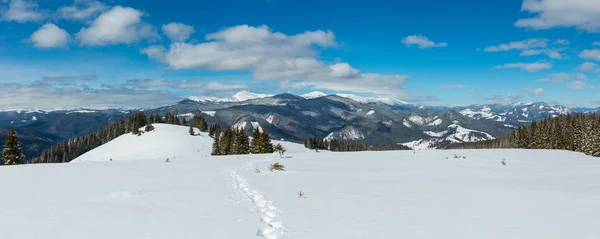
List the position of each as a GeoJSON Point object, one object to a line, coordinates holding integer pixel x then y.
{"type": "Point", "coordinates": [422, 194]}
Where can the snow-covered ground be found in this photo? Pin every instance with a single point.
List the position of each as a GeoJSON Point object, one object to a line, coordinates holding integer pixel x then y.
{"type": "Point", "coordinates": [396, 194]}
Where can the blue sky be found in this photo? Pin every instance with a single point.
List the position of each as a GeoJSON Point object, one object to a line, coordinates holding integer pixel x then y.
{"type": "Point", "coordinates": [87, 53]}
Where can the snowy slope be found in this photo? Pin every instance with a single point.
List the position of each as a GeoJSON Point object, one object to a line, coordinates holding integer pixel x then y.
{"type": "Point", "coordinates": [396, 194]}
{"type": "Point", "coordinates": [166, 141]}
{"type": "Point", "coordinates": [237, 97]}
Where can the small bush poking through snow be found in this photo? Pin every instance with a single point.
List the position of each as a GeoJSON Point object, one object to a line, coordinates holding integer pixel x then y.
{"type": "Point", "coordinates": [503, 162]}
{"type": "Point", "coordinates": [279, 149]}
{"type": "Point", "coordinates": [257, 170]}
{"type": "Point", "coordinates": [276, 166]}
{"type": "Point", "coordinates": [300, 194]}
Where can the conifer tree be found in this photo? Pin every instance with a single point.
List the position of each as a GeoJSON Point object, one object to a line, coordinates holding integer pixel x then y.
{"type": "Point", "coordinates": [184, 122]}
{"type": "Point", "coordinates": [12, 153]}
{"type": "Point", "coordinates": [191, 131]}
{"type": "Point", "coordinates": [226, 141]}
{"type": "Point", "coordinates": [149, 127]}
{"type": "Point", "coordinates": [216, 148]}
{"type": "Point", "coordinates": [136, 128]}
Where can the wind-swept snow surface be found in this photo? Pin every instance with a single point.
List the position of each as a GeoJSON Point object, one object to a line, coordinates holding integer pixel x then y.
{"type": "Point", "coordinates": [395, 194]}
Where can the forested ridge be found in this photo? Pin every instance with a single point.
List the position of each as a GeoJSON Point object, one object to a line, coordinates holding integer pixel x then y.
{"type": "Point", "coordinates": [574, 132]}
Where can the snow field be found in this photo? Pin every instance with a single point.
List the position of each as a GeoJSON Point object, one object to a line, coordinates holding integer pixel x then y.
{"type": "Point", "coordinates": [396, 194]}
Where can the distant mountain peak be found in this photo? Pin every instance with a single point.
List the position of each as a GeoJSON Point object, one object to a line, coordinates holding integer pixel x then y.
{"type": "Point", "coordinates": [237, 97]}
{"type": "Point", "coordinates": [247, 95]}
{"type": "Point", "coordinates": [313, 95]}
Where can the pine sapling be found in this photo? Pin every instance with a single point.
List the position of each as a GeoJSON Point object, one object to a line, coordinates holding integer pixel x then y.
{"type": "Point", "coordinates": [503, 162]}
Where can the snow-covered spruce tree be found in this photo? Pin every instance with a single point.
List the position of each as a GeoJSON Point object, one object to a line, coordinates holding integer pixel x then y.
{"type": "Point", "coordinates": [264, 143]}
{"type": "Point", "coordinates": [149, 127]}
{"type": "Point", "coordinates": [191, 131]}
{"type": "Point", "coordinates": [136, 128]}
{"type": "Point", "coordinates": [216, 149]}
{"type": "Point", "coordinates": [255, 145]}
{"type": "Point", "coordinates": [12, 153]}
{"type": "Point", "coordinates": [213, 129]}
{"type": "Point", "coordinates": [226, 141]}
{"type": "Point", "coordinates": [183, 122]}
{"type": "Point", "coordinates": [199, 122]}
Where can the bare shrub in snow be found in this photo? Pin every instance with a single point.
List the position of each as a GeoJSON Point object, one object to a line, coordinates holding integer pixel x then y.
{"type": "Point", "coordinates": [276, 166]}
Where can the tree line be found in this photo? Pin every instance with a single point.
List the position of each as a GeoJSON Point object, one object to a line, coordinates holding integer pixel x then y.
{"type": "Point", "coordinates": [337, 145]}
{"type": "Point", "coordinates": [574, 132]}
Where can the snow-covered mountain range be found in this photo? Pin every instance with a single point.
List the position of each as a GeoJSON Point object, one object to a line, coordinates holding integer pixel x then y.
{"type": "Point", "coordinates": [373, 120]}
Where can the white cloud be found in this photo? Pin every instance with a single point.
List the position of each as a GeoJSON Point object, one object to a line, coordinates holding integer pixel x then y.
{"type": "Point", "coordinates": [532, 47]}
{"type": "Point", "coordinates": [536, 91]}
{"type": "Point", "coordinates": [22, 11]}
{"type": "Point", "coordinates": [556, 78]}
{"type": "Point", "coordinates": [422, 41]}
{"type": "Point", "coordinates": [50, 36]}
{"type": "Point", "coordinates": [596, 43]}
{"type": "Point", "coordinates": [457, 86]}
{"type": "Point", "coordinates": [47, 96]}
{"type": "Point", "coordinates": [290, 60]}
{"type": "Point", "coordinates": [343, 70]}
{"type": "Point", "coordinates": [520, 45]}
{"type": "Point", "coordinates": [581, 76]}
{"type": "Point", "coordinates": [187, 85]}
{"type": "Point", "coordinates": [178, 32]}
{"type": "Point", "coordinates": [590, 54]}
{"type": "Point", "coordinates": [119, 25]}
{"type": "Point", "coordinates": [82, 10]}
{"type": "Point", "coordinates": [552, 53]}
{"type": "Point", "coordinates": [587, 66]}
{"type": "Point", "coordinates": [581, 14]}
{"type": "Point", "coordinates": [531, 67]}
{"type": "Point", "coordinates": [577, 85]}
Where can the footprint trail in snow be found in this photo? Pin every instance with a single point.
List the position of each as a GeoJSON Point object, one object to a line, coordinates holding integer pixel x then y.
{"type": "Point", "coordinates": [274, 228]}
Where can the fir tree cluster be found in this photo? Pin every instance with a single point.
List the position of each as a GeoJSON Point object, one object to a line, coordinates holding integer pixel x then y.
{"type": "Point", "coordinates": [337, 145]}
{"type": "Point", "coordinates": [12, 153]}
{"type": "Point", "coordinates": [577, 132]}
{"type": "Point", "coordinates": [235, 141]}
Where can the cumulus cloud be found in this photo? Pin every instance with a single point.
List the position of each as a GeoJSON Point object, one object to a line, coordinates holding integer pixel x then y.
{"type": "Point", "coordinates": [119, 25]}
{"type": "Point", "coordinates": [178, 32]}
{"type": "Point", "coordinates": [422, 41]}
{"type": "Point", "coordinates": [457, 86]}
{"type": "Point", "coordinates": [593, 54]}
{"type": "Point", "coordinates": [289, 59]}
{"type": "Point", "coordinates": [193, 85]}
{"type": "Point", "coordinates": [556, 78]}
{"type": "Point", "coordinates": [50, 36]}
{"type": "Point", "coordinates": [532, 47]}
{"type": "Point", "coordinates": [531, 67]}
{"type": "Point", "coordinates": [535, 91]}
{"type": "Point", "coordinates": [588, 66]}
{"type": "Point", "coordinates": [520, 45]}
{"type": "Point", "coordinates": [22, 11]}
{"type": "Point", "coordinates": [47, 96]}
{"type": "Point", "coordinates": [577, 85]}
{"type": "Point", "coordinates": [82, 10]}
{"type": "Point", "coordinates": [581, 14]}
